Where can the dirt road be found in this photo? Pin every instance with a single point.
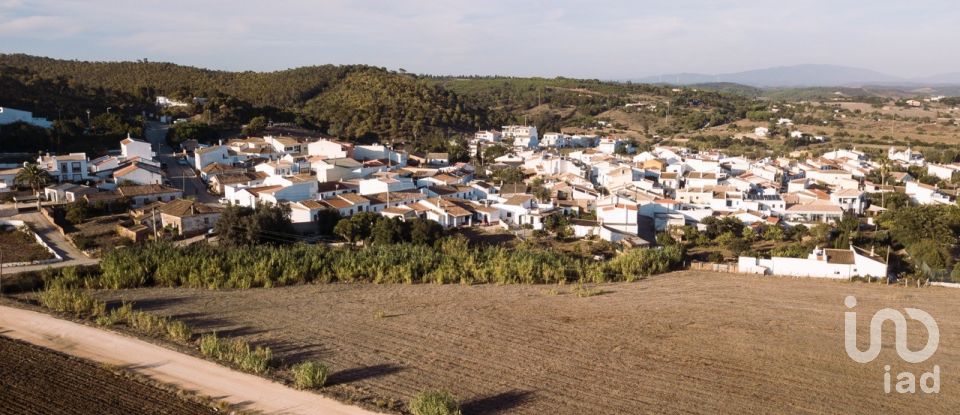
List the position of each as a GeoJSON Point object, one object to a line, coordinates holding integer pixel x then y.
{"type": "Point", "coordinates": [164, 365]}
{"type": "Point", "coordinates": [71, 255]}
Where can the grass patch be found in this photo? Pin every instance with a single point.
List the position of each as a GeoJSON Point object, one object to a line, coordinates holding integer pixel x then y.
{"type": "Point", "coordinates": [309, 375]}
{"type": "Point", "coordinates": [236, 352]}
{"type": "Point", "coordinates": [434, 403]}
{"type": "Point", "coordinates": [76, 302]}
{"type": "Point", "coordinates": [580, 291]}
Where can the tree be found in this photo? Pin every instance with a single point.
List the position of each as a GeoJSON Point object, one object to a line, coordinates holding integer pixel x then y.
{"type": "Point", "coordinates": [270, 224]}
{"type": "Point", "coordinates": [35, 177]}
{"type": "Point", "coordinates": [424, 231]}
{"type": "Point", "coordinates": [357, 228]}
{"type": "Point", "coordinates": [77, 212]}
{"type": "Point", "coordinates": [509, 175]}
{"type": "Point", "coordinates": [387, 231]}
{"type": "Point", "coordinates": [327, 220]}
{"type": "Point", "coordinates": [229, 227]}
{"type": "Point", "coordinates": [256, 125]}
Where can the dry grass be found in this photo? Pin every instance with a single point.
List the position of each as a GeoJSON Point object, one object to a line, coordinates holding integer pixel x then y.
{"type": "Point", "coordinates": [686, 342]}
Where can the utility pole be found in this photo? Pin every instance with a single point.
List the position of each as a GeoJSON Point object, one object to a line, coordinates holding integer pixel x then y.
{"type": "Point", "coordinates": [154, 223]}
{"type": "Point", "coordinates": [1, 272]}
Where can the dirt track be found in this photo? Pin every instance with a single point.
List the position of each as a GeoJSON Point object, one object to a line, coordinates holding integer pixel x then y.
{"type": "Point", "coordinates": [242, 390]}
{"type": "Point", "coordinates": [679, 343]}
{"type": "Point", "coordinates": [34, 380]}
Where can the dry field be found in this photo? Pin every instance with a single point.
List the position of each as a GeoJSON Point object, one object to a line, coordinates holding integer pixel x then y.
{"type": "Point", "coordinates": [35, 380]}
{"type": "Point", "coordinates": [20, 247]}
{"type": "Point", "coordinates": [686, 342]}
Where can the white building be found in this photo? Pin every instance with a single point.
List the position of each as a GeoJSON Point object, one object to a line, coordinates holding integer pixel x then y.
{"type": "Point", "coordinates": [821, 263]}
{"type": "Point", "coordinates": [907, 156]}
{"type": "Point", "coordinates": [130, 148]}
{"type": "Point", "coordinates": [330, 149]}
{"type": "Point", "coordinates": [63, 168]}
{"type": "Point", "coordinates": [492, 136]}
{"type": "Point", "coordinates": [942, 171]}
{"type": "Point", "coordinates": [524, 136]}
{"type": "Point", "coordinates": [10, 116]}
{"type": "Point", "coordinates": [209, 155]}
{"type": "Point", "coordinates": [164, 102]}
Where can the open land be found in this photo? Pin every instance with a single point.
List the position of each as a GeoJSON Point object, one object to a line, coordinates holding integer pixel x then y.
{"type": "Point", "coordinates": [34, 380]}
{"type": "Point", "coordinates": [685, 342]}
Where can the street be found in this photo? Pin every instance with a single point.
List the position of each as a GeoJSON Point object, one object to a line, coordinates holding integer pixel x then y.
{"type": "Point", "coordinates": [181, 177]}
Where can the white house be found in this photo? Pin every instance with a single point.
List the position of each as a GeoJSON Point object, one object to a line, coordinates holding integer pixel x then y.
{"type": "Point", "coordinates": [10, 116]}
{"type": "Point", "coordinates": [926, 194]}
{"type": "Point", "coordinates": [907, 156]}
{"type": "Point", "coordinates": [942, 171]}
{"type": "Point", "coordinates": [8, 179]}
{"type": "Point", "coordinates": [130, 148]}
{"type": "Point", "coordinates": [213, 154]}
{"type": "Point", "coordinates": [524, 136]}
{"type": "Point", "coordinates": [821, 263]}
{"type": "Point", "coordinates": [70, 167]}
{"type": "Point", "coordinates": [330, 149]}
{"type": "Point", "coordinates": [492, 136]}
{"type": "Point", "coordinates": [139, 173]}
{"type": "Point", "coordinates": [386, 183]}
{"type": "Point", "coordinates": [850, 200]}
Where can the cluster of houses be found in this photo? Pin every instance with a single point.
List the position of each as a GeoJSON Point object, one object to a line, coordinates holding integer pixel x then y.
{"type": "Point", "coordinates": [613, 192]}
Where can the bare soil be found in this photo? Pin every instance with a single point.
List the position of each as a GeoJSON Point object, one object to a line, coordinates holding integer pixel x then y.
{"type": "Point", "coordinates": [35, 380]}
{"type": "Point", "coordinates": [685, 342]}
{"type": "Point", "coordinates": [20, 247]}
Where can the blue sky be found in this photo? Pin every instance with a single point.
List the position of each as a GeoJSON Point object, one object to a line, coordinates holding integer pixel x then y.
{"type": "Point", "coordinates": [590, 39]}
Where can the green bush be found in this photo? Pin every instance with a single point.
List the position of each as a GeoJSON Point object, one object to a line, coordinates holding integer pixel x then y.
{"type": "Point", "coordinates": [178, 331]}
{"type": "Point", "coordinates": [237, 352]}
{"type": "Point", "coordinates": [68, 300]}
{"type": "Point", "coordinates": [451, 260]}
{"type": "Point", "coordinates": [434, 403]}
{"type": "Point", "coordinates": [309, 375]}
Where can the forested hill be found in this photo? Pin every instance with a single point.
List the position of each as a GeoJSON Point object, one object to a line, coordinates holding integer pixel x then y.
{"type": "Point", "coordinates": [354, 102]}
{"type": "Point", "coordinates": [280, 89]}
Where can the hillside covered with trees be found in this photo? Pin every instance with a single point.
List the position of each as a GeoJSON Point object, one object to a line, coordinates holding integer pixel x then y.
{"type": "Point", "coordinates": [354, 102]}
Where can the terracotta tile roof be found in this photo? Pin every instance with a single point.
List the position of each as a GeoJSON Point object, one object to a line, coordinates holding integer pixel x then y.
{"type": "Point", "coordinates": [146, 189]}
{"type": "Point", "coordinates": [185, 207]}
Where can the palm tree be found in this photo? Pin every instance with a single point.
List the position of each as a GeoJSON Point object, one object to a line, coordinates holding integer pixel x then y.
{"type": "Point", "coordinates": [35, 176]}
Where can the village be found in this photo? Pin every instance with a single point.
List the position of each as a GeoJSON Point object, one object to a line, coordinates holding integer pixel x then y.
{"type": "Point", "coordinates": [601, 186]}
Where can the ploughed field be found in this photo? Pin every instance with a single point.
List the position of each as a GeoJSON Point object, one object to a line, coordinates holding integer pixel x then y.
{"type": "Point", "coordinates": [34, 380]}
{"type": "Point", "coordinates": [685, 342]}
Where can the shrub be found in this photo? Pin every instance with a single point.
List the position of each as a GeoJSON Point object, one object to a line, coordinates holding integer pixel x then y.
{"type": "Point", "coordinates": [148, 324]}
{"type": "Point", "coordinates": [237, 352]}
{"type": "Point", "coordinates": [309, 375]}
{"type": "Point", "coordinates": [67, 300]}
{"type": "Point", "coordinates": [117, 315]}
{"type": "Point", "coordinates": [178, 331]}
{"type": "Point", "coordinates": [434, 403]}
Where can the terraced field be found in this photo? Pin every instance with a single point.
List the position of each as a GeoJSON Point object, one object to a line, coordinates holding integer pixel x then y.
{"type": "Point", "coordinates": [35, 380]}
{"type": "Point", "coordinates": [686, 342]}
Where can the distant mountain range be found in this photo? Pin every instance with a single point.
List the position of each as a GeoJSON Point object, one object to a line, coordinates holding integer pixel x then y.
{"type": "Point", "coordinates": [804, 76]}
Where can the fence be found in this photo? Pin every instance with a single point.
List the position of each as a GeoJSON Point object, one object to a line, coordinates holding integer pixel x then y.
{"type": "Point", "coordinates": [711, 266]}
{"type": "Point", "coordinates": [21, 226]}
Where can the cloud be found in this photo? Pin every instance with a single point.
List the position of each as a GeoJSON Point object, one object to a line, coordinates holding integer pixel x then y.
{"type": "Point", "coordinates": [38, 26]}
{"type": "Point", "coordinates": [597, 38]}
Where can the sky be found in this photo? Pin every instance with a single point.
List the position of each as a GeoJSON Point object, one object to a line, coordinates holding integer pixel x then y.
{"type": "Point", "coordinates": [584, 39]}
